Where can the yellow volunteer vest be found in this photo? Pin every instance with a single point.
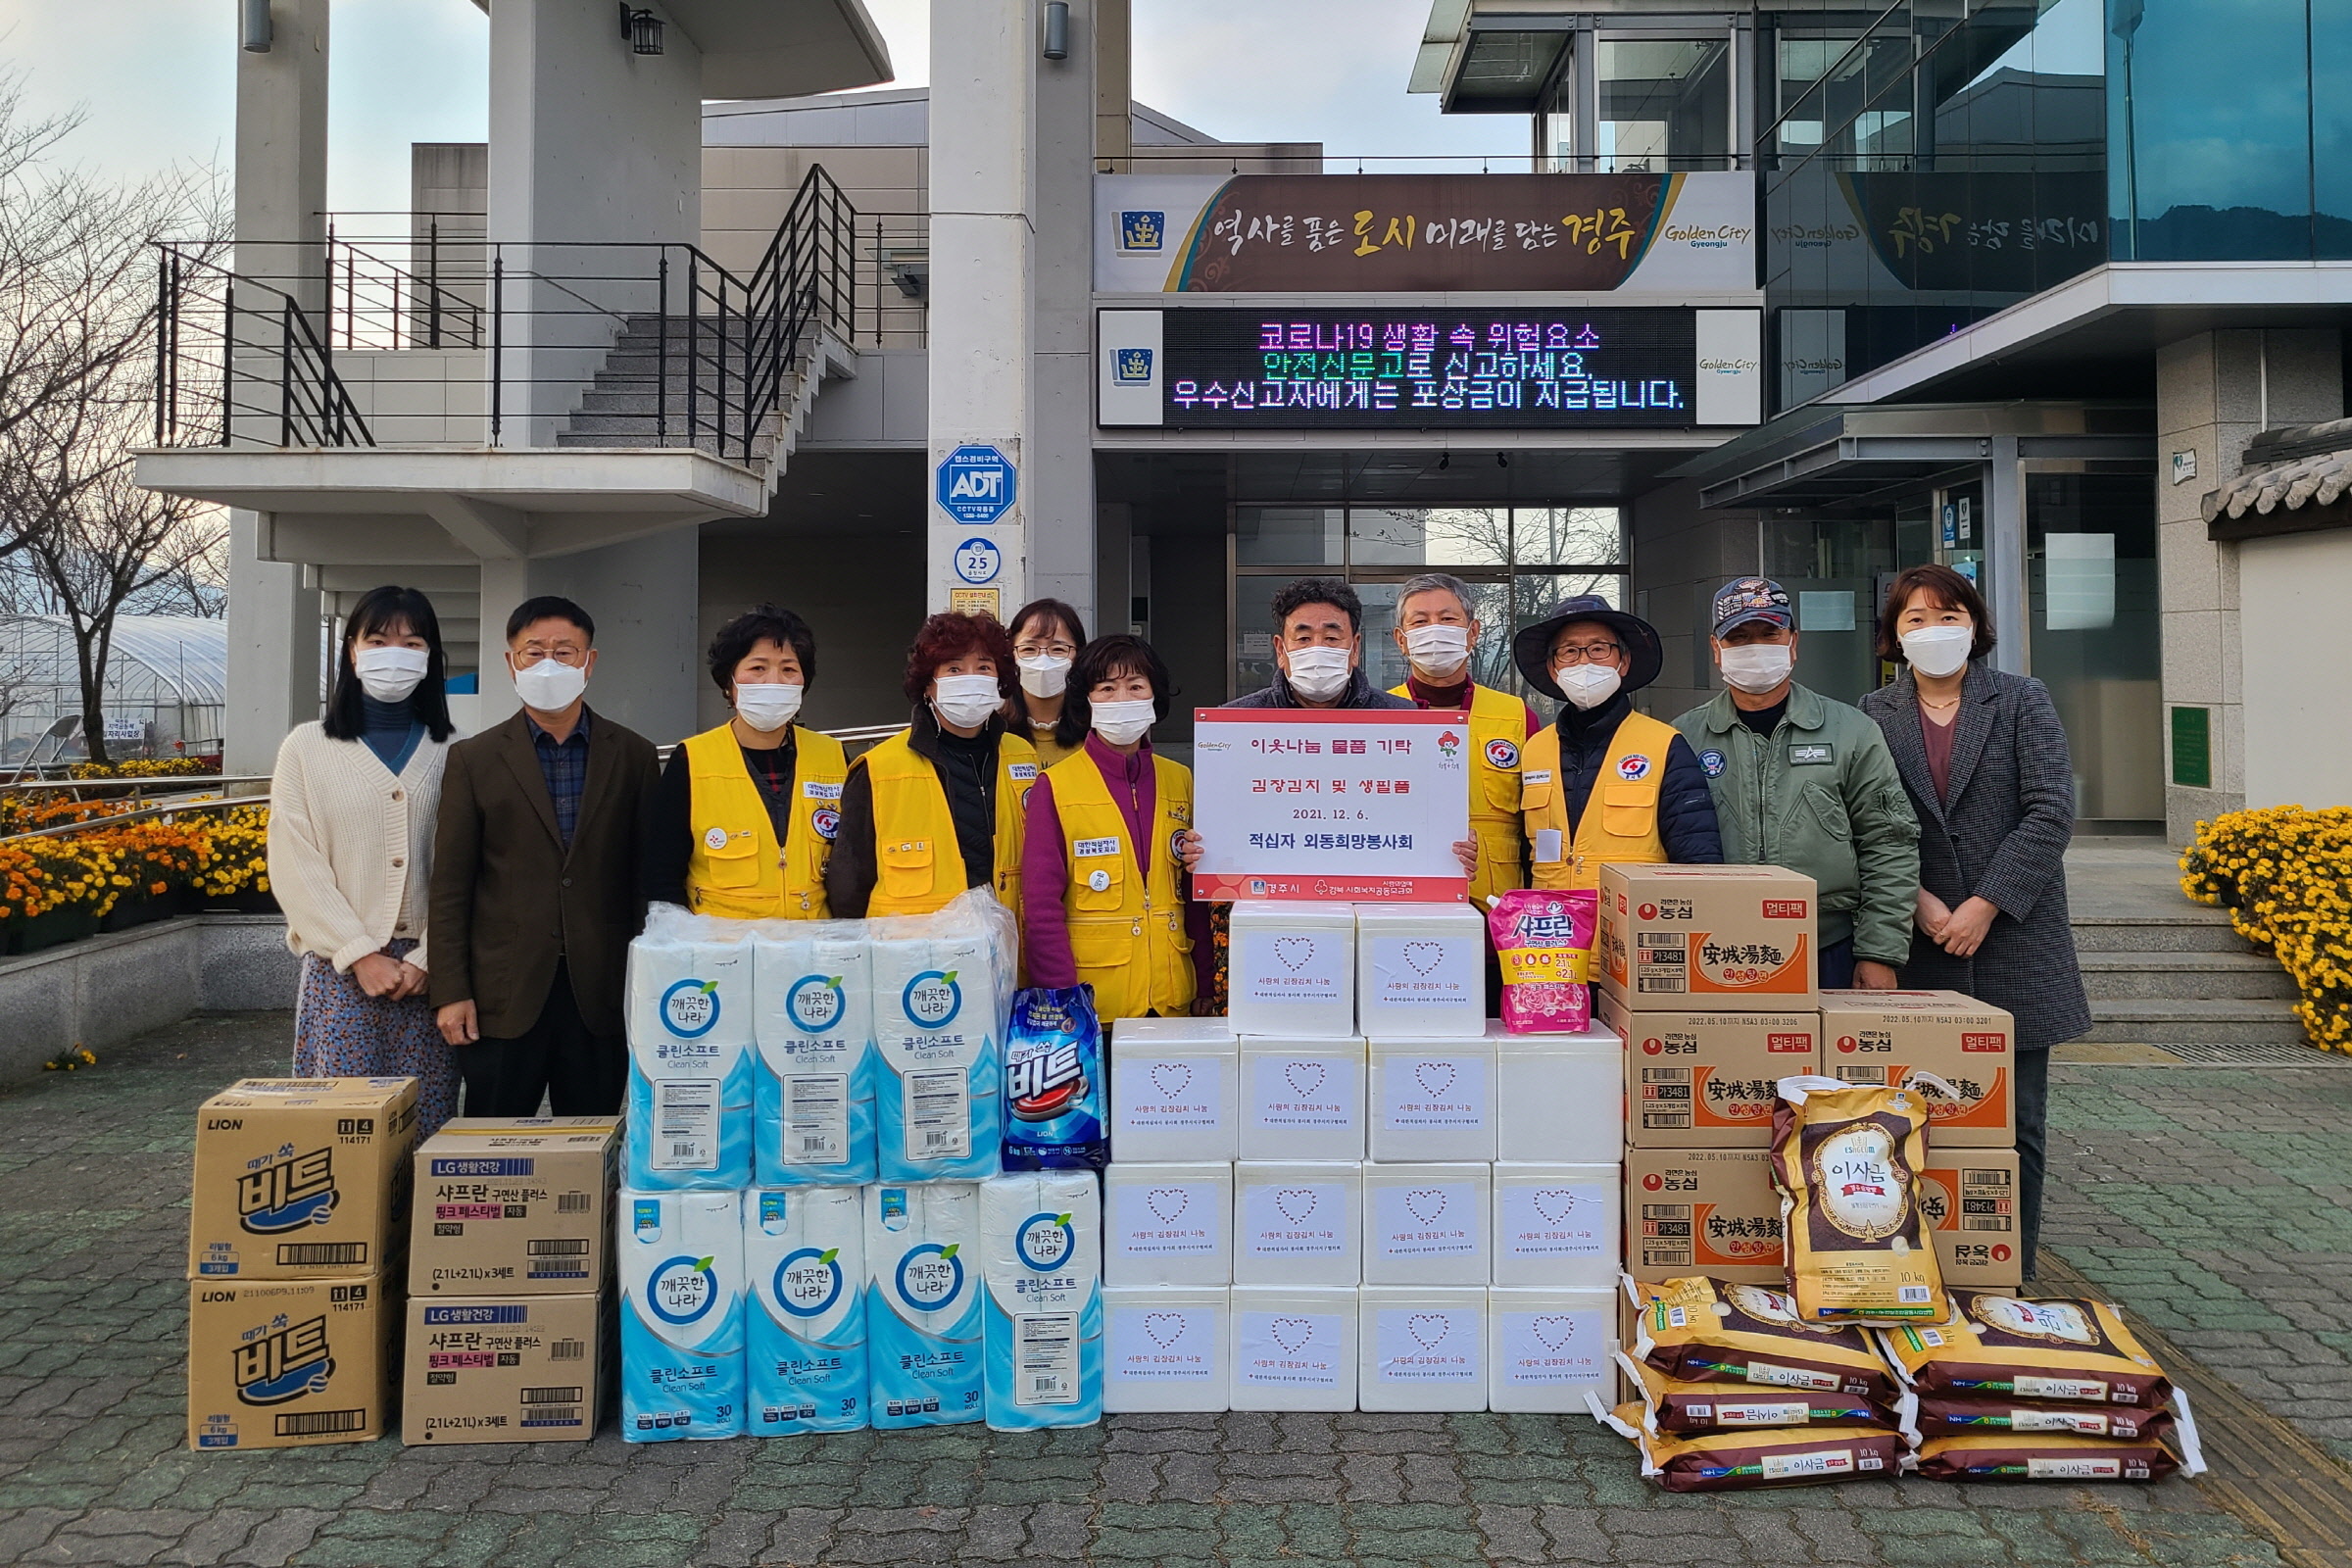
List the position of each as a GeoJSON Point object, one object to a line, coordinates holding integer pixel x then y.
{"type": "Point", "coordinates": [737, 869]}
{"type": "Point", "coordinates": [917, 866]}
{"type": "Point", "coordinates": [1125, 916]}
{"type": "Point", "coordinates": [1498, 735]}
{"type": "Point", "coordinates": [1621, 815]}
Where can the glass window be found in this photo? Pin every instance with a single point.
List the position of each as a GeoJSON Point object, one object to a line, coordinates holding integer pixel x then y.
{"type": "Point", "coordinates": [1568, 536]}
{"type": "Point", "coordinates": [1556, 126]}
{"type": "Point", "coordinates": [2090, 557]}
{"type": "Point", "coordinates": [1288, 536]}
{"type": "Point", "coordinates": [1429, 536]}
{"type": "Point", "coordinates": [1664, 104]}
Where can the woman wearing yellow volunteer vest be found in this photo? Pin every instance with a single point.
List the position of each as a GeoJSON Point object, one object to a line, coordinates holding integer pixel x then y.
{"type": "Point", "coordinates": [1111, 844]}
{"type": "Point", "coordinates": [1437, 633]}
{"type": "Point", "coordinates": [942, 804]}
{"type": "Point", "coordinates": [1605, 783]}
{"type": "Point", "coordinates": [1047, 635]}
{"type": "Point", "coordinates": [744, 818]}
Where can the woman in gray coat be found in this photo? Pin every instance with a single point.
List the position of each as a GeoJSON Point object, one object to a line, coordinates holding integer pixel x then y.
{"type": "Point", "coordinates": [1984, 760]}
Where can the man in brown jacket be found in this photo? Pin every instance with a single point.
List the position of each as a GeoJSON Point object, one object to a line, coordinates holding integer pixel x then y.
{"type": "Point", "coordinates": [534, 900]}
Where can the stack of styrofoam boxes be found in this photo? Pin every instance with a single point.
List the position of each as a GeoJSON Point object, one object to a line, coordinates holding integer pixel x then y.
{"type": "Point", "coordinates": [1305, 1217]}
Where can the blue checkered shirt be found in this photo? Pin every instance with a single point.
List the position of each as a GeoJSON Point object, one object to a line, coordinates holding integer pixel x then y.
{"type": "Point", "coordinates": [565, 766]}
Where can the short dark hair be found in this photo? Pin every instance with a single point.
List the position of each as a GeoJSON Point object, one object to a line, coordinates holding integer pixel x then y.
{"type": "Point", "coordinates": [550, 606]}
{"type": "Point", "coordinates": [762, 623]}
{"type": "Point", "coordinates": [1946, 589]}
{"type": "Point", "coordinates": [382, 609]}
{"type": "Point", "coordinates": [950, 635]}
{"type": "Point", "coordinates": [1317, 591]}
{"type": "Point", "coordinates": [1099, 661]}
{"type": "Point", "coordinates": [1060, 609]}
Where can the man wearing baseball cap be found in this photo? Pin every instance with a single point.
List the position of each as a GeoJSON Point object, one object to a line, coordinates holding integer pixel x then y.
{"type": "Point", "coordinates": [1805, 782]}
{"type": "Point", "coordinates": [1604, 783]}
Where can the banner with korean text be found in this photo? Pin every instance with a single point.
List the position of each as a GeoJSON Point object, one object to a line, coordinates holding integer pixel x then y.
{"type": "Point", "coordinates": [1352, 805]}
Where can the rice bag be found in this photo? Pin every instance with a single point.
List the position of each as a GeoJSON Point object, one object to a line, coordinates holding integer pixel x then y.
{"type": "Point", "coordinates": [1744, 1461]}
{"type": "Point", "coordinates": [2029, 1456]}
{"type": "Point", "coordinates": [1699, 1330]}
{"type": "Point", "coordinates": [1846, 1159]}
{"type": "Point", "coordinates": [1921, 1416]}
{"type": "Point", "coordinates": [1997, 1346]}
{"type": "Point", "coordinates": [1543, 942]}
{"type": "Point", "coordinates": [1678, 1408]}
{"type": "Point", "coordinates": [1054, 1117]}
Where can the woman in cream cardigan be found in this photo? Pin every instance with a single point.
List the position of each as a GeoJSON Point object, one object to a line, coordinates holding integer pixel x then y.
{"type": "Point", "coordinates": [352, 805]}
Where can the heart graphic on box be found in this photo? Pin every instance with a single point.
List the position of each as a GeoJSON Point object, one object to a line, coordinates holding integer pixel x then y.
{"type": "Point", "coordinates": [1171, 1078]}
{"type": "Point", "coordinates": [1304, 1077]}
{"type": "Point", "coordinates": [1425, 957]}
{"type": "Point", "coordinates": [1293, 1333]}
{"type": "Point", "coordinates": [1296, 1203]}
{"type": "Point", "coordinates": [1295, 953]}
{"type": "Point", "coordinates": [1555, 1203]}
{"type": "Point", "coordinates": [1435, 1077]}
{"type": "Point", "coordinates": [1426, 1203]}
{"type": "Point", "coordinates": [1164, 1328]}
{"type": "Point", "coordinates": [1554, 1329]}
{"type": "Point", "coordinates": [1429, 1329]}
{"type": "Point", "coordinates": [1167, 1202]}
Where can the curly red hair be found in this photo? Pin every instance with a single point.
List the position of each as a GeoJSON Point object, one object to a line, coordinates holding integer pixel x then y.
{"type": "Point", "coordinates": [950, 636]}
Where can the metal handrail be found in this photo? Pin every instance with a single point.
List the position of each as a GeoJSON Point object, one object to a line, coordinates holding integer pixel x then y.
{"type": "Point", "coordinates": [149, 813]}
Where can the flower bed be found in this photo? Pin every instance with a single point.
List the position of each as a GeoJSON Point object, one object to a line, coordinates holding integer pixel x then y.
{"type": "Point", "coordinates": [147, 767]}
{"type": "Point", "coordinates": [2284, 874]}
{"type": "Point", "coordinates": [59, 888]}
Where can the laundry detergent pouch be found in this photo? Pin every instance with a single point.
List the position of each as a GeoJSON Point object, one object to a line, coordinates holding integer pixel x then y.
{"type": "Point", "coordinates": [1544, 941]}
{"type": "Point", "coordinates": [2000, 1345]}
{"type": "Point", "coordinates": [1041, 1256]}
{"type": "Point", "coordinates": [804, 1261]}
{"type": "Point", "coordinates": [922, 1303]}
{"type": "Point", "coordinates": [1679, 1409]}
{"type": "Point", "coordinates": [939, 1019]}
{"type": "Point", "coordinates": [681, 1315]}
{"type": "Point", "coordinates": [2009, 1456]}
{"type": "Point", "coordinates": [1744, 1461]}
{"type": "Point", "coordinates": [812, 1083]}
{"type": "Point", "coordinates": [1056, 1106]}
{"type": "Point", "coordinates": [1846, 1159]}
{"type": "Point", "coordinates": [1920, 1417]}
{"type": "Point", "coordinates": [690, 1024]}
{"type": "Point", "coordinates": [1699, 1330]}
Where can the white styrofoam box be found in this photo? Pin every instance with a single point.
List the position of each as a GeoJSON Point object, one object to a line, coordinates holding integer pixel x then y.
{"type": "Point", "coordinates": [1558, 1096]}
{"type": "Point", "coordinates": [1546, 1349]}
{"type": "Point", "coordinates": [1294, 1348]}
{"type": "Point", "coordinates": [1557, 1226]}
{"type": "Point", "coordinates": [1301, 1100]}
{"type": "Point", "coordinates": [1432, 1100]}
{"type": "Point", "coordinates": [1427, 1224]}
{"type": "Point", "coordinates": [1167, 1224]}
{"type": "Point", "coordinates": [1297, 1222]}
{"type": "Point", "coordinates": [1422, 1347]}
{"type": "Point", "coordinates": [1420, 971]}
{"type": "Point", "coordinates": [1166, 1348]}
{"type": "Point", "coordinates": [1293, 970]}
{"type": "Point", "coordinates": [1172, 1088]}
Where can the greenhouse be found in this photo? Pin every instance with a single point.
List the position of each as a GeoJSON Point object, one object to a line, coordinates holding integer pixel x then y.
{"type": "Point", "coordinates": [166, 686]}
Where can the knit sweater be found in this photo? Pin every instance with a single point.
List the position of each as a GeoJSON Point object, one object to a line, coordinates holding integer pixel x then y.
{"type": "Point", "coordinates": [351, 845]}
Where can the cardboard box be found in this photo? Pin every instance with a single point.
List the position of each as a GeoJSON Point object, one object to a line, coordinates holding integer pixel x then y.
{"type": "Point", "coordinates": [1714, 937]}
{"type": "Point", "coordinates": [1881, 1037]}
{"type": "Point", "coordinates": [1706, 1080]}
{"type": "Point", "coordinates": [1971, 1194]}
{"type": "Point", "coordinates": [504, 1210]}
{"type": "Point", "coordinates": [504, 1369]}
{"type": "Point", "coordinates": [1703, 1211]}
{"type": "Point", "coordinates": [289, 1363]}
{"type": "Point", "coordinates": [301, 1178]}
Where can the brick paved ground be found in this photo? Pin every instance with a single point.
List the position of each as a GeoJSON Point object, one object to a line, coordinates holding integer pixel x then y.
{"type": "Point", "coordinates": [2214, 1201]}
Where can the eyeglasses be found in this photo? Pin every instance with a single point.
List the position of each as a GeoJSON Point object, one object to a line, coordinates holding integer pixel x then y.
{"type": "Point", "coordinates": [1578, 653]}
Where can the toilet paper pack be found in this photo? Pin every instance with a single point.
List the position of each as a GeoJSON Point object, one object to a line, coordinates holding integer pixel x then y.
{"type": "Point", "coordinates": [1041, 1254]}
{"type": "Point", "coordinates": [938, 1020]}
{"type": "Point", "coordinates": [804, 1253]}
{"type": "Point", "coordinates": [922, 1302]}
{"type": "Point", "coordinates": [1301, 1100]}
{"type": "Point", "coordinates": [1294, 1348]}
{"type": "Point", "coordinates": [1558, 1225]}
{"type": "Point", "coordinates": [1168, 1224]}
{"type": "Point", "coordinates": [1432, 1100]}
{"type": "Point", "coordinates": [1165, 1348]}
{"type": "Point", "coordinates": [682, 1372]}
{"type": "Point", "coordinates": [1172, 1090]}
{"type": "Point", "coordinates": [1546, 1349]}
{"type": "Point", "coordinates": [690, 1023]}
{"type": "Point", "coordinates": [812, 1089]}
{"type": "Point", "coordinates": [1427, 1224]}
{"type": "Point", "coordinates": [1422, 1347]}
{"type": "Point", "coordinates": [1298, 1223]}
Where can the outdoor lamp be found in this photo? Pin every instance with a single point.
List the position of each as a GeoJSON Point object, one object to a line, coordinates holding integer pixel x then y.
{"type": "Point", "coordinates": [1057, 29]}
{"type": "Point", "coordinates": [254, 18]}
{"type": "Point", "coordinates": [641, 29]}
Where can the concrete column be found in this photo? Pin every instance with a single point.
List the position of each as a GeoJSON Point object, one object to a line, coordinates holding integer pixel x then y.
{"type": "Point", "coordinates": [1062, 524]}
{"type": "Point", "coordinates": [2006, 556]}
{"type": "Point", "coordinates": [272, 649]}
{"type": "Point", "coordinates": [642, 596]}
{"type": "Point", "coordinates": [983, 244]}
{"type": "Point", "coordinates": [1114, 28]}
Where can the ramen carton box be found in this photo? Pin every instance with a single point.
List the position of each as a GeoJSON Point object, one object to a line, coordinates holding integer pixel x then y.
{"type": "Point", "coordinates": [1720, 938]}
{"type": "Point", "coordinates": [1703, 1211]}
{"type": "Point", "coordinates": [1970, 1197]}
{"type": "Point", "coordinates": [514, 1205]}
{"type": "Point", "coordinates": [289, 1363]}
{"type": "Point", "coordinates": [1704, 1080]}
{"type": "Point", "coordinates": [301, 1178]}
{"type": "Point", "coordinates": [1882, 1037]}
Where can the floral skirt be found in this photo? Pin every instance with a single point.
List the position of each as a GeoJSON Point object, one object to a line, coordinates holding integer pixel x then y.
{"type": "Point", "coordinates": [342, 1032]}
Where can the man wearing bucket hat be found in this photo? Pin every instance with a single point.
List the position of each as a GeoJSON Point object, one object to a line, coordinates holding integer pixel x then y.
{"type": "Point", "coordinates": [1604, 783]}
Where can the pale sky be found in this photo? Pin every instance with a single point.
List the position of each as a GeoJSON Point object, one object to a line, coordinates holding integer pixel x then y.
{"type": "Point", "coordinates": [157, 78]}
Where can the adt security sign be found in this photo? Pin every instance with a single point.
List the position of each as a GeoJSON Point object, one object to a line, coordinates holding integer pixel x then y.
{"type": "Point", "coordinates": [978, 562]}
{"type": "Point", "coordinates": [977, 484]}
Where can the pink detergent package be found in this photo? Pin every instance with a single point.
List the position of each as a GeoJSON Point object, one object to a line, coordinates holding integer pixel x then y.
{"type": "Point", "coordinates": [1543, 938]}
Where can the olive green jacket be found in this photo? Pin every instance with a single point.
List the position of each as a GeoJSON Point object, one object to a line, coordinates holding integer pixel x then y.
{"type": "Point", "coordinates": [1820, 796]}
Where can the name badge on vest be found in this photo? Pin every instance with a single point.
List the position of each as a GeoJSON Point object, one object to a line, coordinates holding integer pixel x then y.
{"type": "Point", "coordinates": [1535, 775]}
{"type": "Point", "coordinates": [1021, 772]}
{"type": "Point", "coordinates": [1814, 751]}
{"type": "Point", "coordinates": [1091, 847]}
{"type": "Point", "coordinates": [819, 790]}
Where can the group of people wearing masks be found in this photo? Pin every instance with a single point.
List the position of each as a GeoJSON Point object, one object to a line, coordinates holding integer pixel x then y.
{"type": "Point", "coordinates": [1933, 818]}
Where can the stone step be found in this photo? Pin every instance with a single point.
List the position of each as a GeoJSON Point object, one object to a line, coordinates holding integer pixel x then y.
{"type": "Point", "coordinates": [2184, 976]}
{"type": "Point", "coordinates": [2231, 1022]}
{"type": "Point", "coordinates": [2190, 929]}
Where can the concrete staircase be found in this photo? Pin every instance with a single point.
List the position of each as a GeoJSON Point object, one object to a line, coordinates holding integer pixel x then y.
{"type": "Point", "coordinates": [2161, 971]}
{"type": "Point", "coordinates": [651, 372]}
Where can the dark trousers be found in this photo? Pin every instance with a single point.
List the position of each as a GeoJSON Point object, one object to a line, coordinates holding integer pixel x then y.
{"type": "Point", "coordinates": [579, 1073]}
{"type": "Point", "coordinates": [2032, 1143]}
{"type": "Point", "coordinates": [1836, 966]}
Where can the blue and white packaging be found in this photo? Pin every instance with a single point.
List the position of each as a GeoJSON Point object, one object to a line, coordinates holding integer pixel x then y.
{"type": "Point", "coordinates": [690, 1023]}
{"type": "Point", "coordinates": [812, 1084]}
{"type": "Point", "coordinates": [937, 1021]}
{"type": "Point", "coordinates": [1055, 1105]}
{"type": "Point", "coordinates": [922, 1303]}
{"type": "Point", "coordinates": [681, 1315]}
{"type": "Point", "coordinates": [804, 1257]}
{"type": "Point", "coordinates": [1042, 1255]}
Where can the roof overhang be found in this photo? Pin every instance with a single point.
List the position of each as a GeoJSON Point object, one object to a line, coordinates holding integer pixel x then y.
{"type": "Point", "coordinates": [782, 48]}
{"type": "Point", "coordinates": [1490, 62]}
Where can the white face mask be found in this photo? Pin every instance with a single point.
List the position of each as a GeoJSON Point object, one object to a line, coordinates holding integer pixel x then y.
{"type": "Point", "coordinates": [965, 700]}
{"type": "Point", "coordinates": [1938, 651]}
{"type": "Point", "coordinates": [1043, 675]}
{"type": "Point", "coordinates": [1756, 668]}
{"type": "Point", "coordinates": [390, 674]}
{"type": "Point", "coordinates": [1438, 650]}
{"type": "Point", "coordinates": [1319, 674]}
{"type": "Point", "coordinates": [1123, 723]}
{"type": "Point", "coordinates": [549, 686]}
{"type": "Point", "coordinates": [1587, 685]}
{"type": "Point", "coordinates": [766, 708]}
